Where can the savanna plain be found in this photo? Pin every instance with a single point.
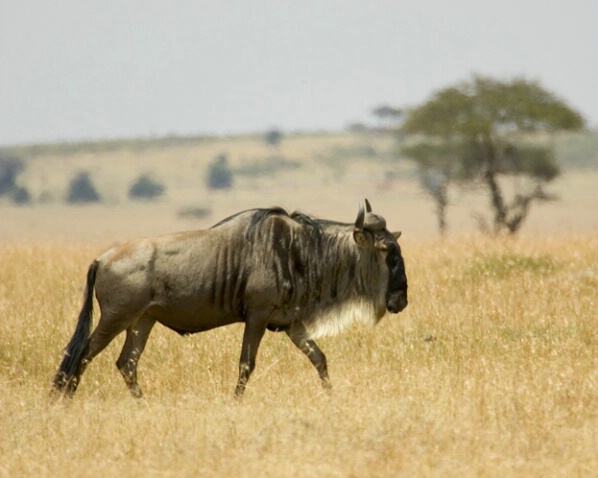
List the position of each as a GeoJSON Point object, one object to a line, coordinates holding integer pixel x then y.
{"type": "Point", "coordinates": [492, 370]}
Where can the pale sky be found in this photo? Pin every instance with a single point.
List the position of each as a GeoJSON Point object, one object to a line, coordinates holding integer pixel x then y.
{"type": "Point", "coordinates": [72, 69]}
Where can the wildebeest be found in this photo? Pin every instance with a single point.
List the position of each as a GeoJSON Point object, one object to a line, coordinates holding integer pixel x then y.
{"type": "Point", "coordinates": [264, 267]}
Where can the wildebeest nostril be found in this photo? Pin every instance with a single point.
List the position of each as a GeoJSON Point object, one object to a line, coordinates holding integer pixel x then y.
{"type": "Point", "coordinates": [397, 303]}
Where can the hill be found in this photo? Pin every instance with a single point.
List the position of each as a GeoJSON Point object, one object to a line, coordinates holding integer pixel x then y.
{"type": "Point", "coordinates": [320, 173]}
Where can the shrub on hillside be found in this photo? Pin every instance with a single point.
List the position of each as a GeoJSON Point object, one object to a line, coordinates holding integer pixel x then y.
{"type": "Point", "coordinates": [82, 190]}
{"type": "Point", "coordinates": [10, 168]}
{"type": "Point", "coordinates": [273, 137]}
{"type": "Point", "coordinates": [20, 195]}
{"type": "Point", "coordinates": [146, 188]}
{"type": "Point", "coordinates": [193, 212]}
{"type": "Point", "coordinates": [220, 175]}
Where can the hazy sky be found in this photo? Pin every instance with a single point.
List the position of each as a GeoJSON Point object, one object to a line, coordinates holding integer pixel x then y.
{"type": "Point", "coordinates": [72, 69]}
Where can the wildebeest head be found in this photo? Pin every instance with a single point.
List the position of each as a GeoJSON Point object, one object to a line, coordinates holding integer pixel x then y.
{"type": "Point", "coordinates": [370, 232]}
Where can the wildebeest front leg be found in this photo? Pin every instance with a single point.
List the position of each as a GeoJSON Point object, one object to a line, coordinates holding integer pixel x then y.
{"type": "Point", "coordinates": [297, 334]}
{"type": "Point", "coordinates": [137, 336]}
{"type": "Point", "coordinates": [252, 336]}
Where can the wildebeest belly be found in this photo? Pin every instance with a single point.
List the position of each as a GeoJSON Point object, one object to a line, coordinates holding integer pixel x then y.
{"type": "Point", "coordinates": [190, 320]}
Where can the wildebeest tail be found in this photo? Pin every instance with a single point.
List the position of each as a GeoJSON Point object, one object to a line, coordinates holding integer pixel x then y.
{"type": "Point", "coordinates": [79, 342]}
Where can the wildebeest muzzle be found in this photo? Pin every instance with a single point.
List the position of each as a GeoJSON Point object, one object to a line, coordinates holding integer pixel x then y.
{"type": "Point", "coordinates": [396, 301]}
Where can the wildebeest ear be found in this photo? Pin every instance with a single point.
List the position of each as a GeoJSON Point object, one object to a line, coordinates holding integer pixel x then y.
{"type": "Point", "coordinates": [363, 238]}
{"type": "Point", "coordinates": [396, 234]}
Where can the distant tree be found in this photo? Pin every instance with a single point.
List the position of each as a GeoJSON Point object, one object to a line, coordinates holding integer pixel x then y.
{"type": "Point", "coordinates": [435, 167]}
{"type": "Point", "coordinates": [386, 111]}
{"type": "Point", "coordinates": [81, 189]}
{"type": "Point", "coordinates": [357, 127]}
{"type": "Point", "coordinates": [273, 137]}
{"type": "Point", "coordinates": [145, 187]}
{"type": "Point", "coordinates": [388, 115]}
{"type": "Point", "coordinates": [10, 168]}
{"type": "Point", "coordinates": [483, 131]}
{"type": "Point", "coordinates": [220, 175]}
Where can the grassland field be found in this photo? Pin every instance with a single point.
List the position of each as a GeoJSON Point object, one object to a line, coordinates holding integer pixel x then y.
{"type": "Point", "coordinates": [334, 171]}
{"type": "Point", "coordinates": [492, 370]}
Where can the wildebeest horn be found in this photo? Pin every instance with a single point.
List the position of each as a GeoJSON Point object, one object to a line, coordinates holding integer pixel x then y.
{"type": "Point", "coordinates": [373, 222]}
{"type": "Point", "coordinates": [367, 219]}
{"type": "Point", "coordinates": [360, 217]}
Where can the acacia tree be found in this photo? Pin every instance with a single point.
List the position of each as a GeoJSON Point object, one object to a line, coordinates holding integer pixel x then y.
{"type": "Point", "coordinates": [388, 114]}
{"type": "Point", "coordinates": [436, 167]}
{"type": "Point", "coordinates": [485, 131]}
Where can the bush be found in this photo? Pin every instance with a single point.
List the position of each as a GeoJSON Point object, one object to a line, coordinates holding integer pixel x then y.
{"type": "Point", "coordinates": [273, 137]}
{"type": "Point", "coordinates": [82, 190]}
{"type": "Point", "coordinates": [10, 168]}
{"type": "Point", "coordinates": [220, 175]}
{"type": "Point", "coordinates": [192, 212]}
{"type": "Point", "coordinates": [145, 188]}
{"type": "Point", "coordinates": [20, 195]}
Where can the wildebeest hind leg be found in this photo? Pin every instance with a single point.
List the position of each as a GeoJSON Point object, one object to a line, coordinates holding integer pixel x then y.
{"type": "Point", "coordinates": [137, 336]}
{"type": "Point", "coordinates": [297, 334]}
{"type": "Point", "coordinates": [109, 326]}
{"type": "Point", "coordinates": [252, 336]}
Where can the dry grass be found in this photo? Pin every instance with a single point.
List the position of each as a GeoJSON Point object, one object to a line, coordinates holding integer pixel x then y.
{"type": "Point", "coordinates": [491, 371]}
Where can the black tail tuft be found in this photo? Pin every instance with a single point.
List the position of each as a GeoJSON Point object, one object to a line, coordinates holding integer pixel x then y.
{"type": "Point", "coordinates": [79, 342]}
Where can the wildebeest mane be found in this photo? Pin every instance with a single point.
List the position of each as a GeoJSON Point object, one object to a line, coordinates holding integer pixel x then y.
{"type": "Point", "coordinates": [327, 223]}
{"type": "Point", "coordinates": [230, 218]}
{"type": "Point", "coordinates": [316, 225]}
{"type": "Point", "coordinates": [260, 215]}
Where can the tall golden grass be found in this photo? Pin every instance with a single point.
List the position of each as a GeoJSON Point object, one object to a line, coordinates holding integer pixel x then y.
{"type": "Point", "coordinates": [492, 370]}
